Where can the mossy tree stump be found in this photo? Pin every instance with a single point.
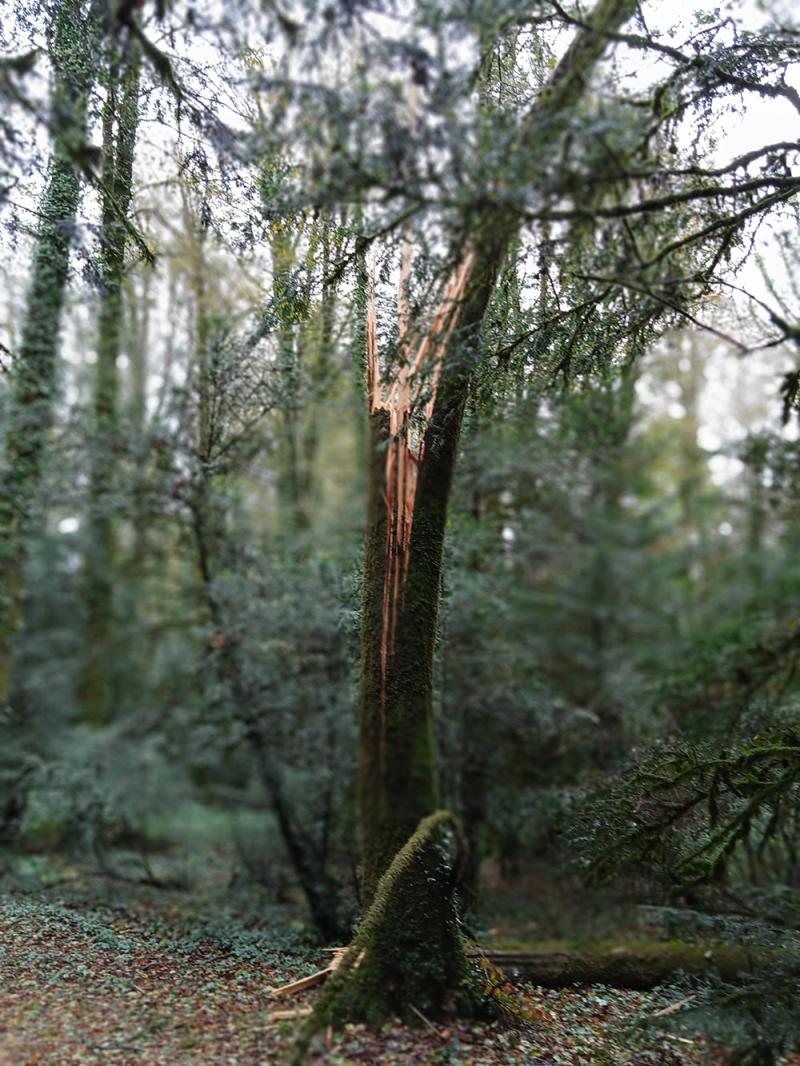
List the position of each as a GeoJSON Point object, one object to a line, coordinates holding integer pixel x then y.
{"type": "Point", "coordinates": [408, 957]}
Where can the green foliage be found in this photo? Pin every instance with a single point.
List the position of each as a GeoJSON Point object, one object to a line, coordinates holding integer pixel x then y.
{"type": "Point", "coordinates": [697, 807]}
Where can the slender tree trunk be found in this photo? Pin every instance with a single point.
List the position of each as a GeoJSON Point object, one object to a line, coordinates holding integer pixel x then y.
{"type": "Point", "coordinates": [291, 467]}
{"type": "Point", "coordinates": [120, 117]}
{"type": "Point", "coordinates": [35, 367]}
{"type": "Point", "coordinates": [475, 781]}
{"type": "Point", "coordinates": [604, 623]}
{"type": "Point", "coordinates": [138, 314]}
{"type": "Point", "coordinates": [307, 857]}
{"type": "Point", "coordinates": [358, 343]}
{"type": "Point", "coordinates": [307, 851]}
{"type": "Point", "coordinates": [314, 345]}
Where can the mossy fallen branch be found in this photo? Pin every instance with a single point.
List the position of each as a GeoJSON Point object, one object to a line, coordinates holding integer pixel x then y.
{"type": "Point", "coordinates": [408, 957]}
{"type": "Point", "coordinates": [635, 964]}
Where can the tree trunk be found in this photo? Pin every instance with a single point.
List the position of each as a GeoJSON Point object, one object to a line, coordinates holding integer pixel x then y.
{"type": "Point", "coordinates": [34, 370]}
{"type": "Point", "coordinates": [120, 116]}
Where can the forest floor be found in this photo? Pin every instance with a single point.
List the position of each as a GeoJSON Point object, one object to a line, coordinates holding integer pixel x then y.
{"type": "Point", "coordinates": [108, 971]}
{"type": "Point", "coordinates": [103, 973]}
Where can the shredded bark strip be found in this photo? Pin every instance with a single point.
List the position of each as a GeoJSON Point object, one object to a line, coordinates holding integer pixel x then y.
{"type": "Point", "coordinates": [409, 399]}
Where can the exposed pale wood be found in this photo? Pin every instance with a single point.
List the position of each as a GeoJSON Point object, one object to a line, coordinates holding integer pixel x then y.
{"type": "Point", "coordinates": [304, 982]}
{"type": "Point", "coordinates": [289, 1015]}
{"type": "Point", "coordinates": [313, 979]}
{"type": "Point", "coordinates": [338, 955]}
{"type": "Point", "coordinates": [673, 1008]}
{"type": "Point", "coordinates": [409, 399]}
{"type": "Point", "coordinates": [419, 1014]}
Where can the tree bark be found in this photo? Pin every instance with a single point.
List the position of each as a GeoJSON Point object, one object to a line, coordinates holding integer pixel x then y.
{"type": "Point", "coordinates": [401, 959]}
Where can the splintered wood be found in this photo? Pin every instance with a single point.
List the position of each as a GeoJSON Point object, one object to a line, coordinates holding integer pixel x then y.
{"type": "Point", "coordinates": [302, 985]}
{"type": "Point", "coordinates": [409, 398]}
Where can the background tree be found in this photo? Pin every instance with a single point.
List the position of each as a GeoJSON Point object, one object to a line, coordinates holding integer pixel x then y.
{"type": "Point", "coordinates": [120, 118]}
{"type": "Point", "coordinates": [72, 38]}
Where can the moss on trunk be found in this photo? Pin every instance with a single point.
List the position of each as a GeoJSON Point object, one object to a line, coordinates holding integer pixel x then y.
{"type": "Point", "coordinates": [408, 957]}
{"type": "Point", "coordinates": [397, 778]}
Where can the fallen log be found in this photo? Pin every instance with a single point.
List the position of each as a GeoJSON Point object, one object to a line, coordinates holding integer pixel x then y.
{"type": "Point", "coordinates": [632, 964]}
{"type": "Point", "coordinates": [640, 965]}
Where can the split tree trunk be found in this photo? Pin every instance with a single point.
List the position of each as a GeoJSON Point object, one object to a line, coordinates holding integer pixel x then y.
{"type": "Point", "coordinates": [35, 365]}
{"type": "Point", "coordinates": [397, 757]}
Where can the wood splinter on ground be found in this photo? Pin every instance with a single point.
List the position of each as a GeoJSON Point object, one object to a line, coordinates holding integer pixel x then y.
{"type": "Point", "coordinates": [311, 981]}
{"type": "Point", "coordinates": [303, 983]}
{"type": "Point", "coordinates": [290, 1015]}
{"type": "Point", "coordinates": [673, 1008]}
